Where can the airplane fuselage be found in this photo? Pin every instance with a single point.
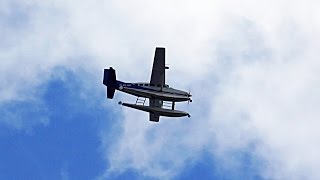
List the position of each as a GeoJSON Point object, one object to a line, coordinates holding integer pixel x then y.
{"type": "Point", "coordinates": [148, 90]}
{"type": "Point", "coordinates": [161, 96]}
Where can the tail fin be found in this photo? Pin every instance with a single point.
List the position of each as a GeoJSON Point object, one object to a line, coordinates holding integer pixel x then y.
{"type": "Point", "coordinates": [109, 79]}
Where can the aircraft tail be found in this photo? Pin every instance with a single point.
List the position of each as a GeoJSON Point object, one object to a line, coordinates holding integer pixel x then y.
{"type": "Point", "coordinates": [109, 79]}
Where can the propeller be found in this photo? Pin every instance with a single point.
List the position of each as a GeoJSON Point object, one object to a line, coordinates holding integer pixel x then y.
{"type": "Point", "coordinates": [189, 94]}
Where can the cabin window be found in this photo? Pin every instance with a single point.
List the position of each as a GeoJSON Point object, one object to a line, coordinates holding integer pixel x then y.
{"type": "Point", "coordinates": [145, 84]}
{"type": "Point", "coordinates": [140, 84]}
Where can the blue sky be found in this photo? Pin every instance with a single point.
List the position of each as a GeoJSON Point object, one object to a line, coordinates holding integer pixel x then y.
{"type": "Point", "coordinates": [253, 73]}
{"type": "Point", "coordinates": [69, 146]}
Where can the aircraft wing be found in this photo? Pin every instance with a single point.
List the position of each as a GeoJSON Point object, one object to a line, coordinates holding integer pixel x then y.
{"type": "Point", "coordinates": [155, 103]}
{"type": "Point", "coordinates": [157, 78]}
{"type": "Point", "coordinates": [154, 117]}
{"type": "Point", "coordinates": [158, 69]}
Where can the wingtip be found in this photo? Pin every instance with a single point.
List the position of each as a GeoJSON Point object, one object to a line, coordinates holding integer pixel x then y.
{"type": "Point", "coordinates": [160, 47]}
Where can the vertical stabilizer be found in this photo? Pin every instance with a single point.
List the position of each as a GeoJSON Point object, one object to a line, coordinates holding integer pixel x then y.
{"type": "Point", "coordinates": [109, 79]}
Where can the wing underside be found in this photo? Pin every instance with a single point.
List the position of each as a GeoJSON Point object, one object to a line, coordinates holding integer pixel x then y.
{"type": "Point", "coordinates": [157, 79]}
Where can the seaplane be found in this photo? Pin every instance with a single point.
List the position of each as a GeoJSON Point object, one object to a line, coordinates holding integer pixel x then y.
{"type": "Point", "coordinates": [162, 97]}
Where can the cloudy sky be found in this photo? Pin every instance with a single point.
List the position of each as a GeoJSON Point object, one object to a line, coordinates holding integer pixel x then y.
{"type": "Point", "coordinates": [253, 68]}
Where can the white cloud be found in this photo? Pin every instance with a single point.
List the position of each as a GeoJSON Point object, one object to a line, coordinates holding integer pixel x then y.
{"type": "Point", "coordinates": [258, 61]}
{"type": "Point", "coordinates": [280, 104]}
{"type": "Point", "coordinates": [64, 173]}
